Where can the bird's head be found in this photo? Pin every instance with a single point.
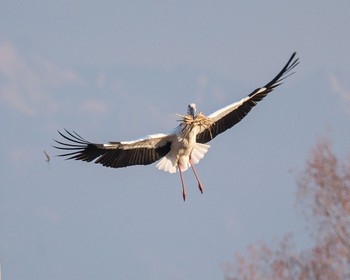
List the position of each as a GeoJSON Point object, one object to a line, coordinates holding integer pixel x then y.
{"type": "Point", "coordinates": [191, 110]}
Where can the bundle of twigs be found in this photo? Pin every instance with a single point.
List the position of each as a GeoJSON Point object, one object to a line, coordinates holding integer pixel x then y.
{"type": "Point", "coordinates": [188, 122]}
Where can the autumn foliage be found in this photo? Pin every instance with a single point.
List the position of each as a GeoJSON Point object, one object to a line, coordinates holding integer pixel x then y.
{"type": "Point", "coordinates": [324, 198]}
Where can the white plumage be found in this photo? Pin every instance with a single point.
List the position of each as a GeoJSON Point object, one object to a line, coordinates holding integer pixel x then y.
{"type": "Point", "coordinates": [176, 151]}
{"type": "Point", "coordinates": [182, 147]}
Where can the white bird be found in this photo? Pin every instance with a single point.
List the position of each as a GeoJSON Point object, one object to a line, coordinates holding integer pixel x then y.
{"type": "Point", "coordinates": [178, 150]}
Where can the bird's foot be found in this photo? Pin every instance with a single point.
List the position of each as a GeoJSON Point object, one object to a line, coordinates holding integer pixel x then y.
{"type": "Point", "coordinates": [184, 195]}
{"type": "Point", "coordinates": [200, 188]}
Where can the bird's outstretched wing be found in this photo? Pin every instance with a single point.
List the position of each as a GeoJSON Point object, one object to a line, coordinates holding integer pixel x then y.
{"type": "Point", "coordinates": [230, 115]}
{"type": "Point", "coordinates": [116, 154]}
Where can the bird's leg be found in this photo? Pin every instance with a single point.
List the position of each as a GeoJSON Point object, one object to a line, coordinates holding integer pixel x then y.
{"type": "Point", "coordinates": [182, 182]}
{"type": "Point", "coordinates": [195, 174]}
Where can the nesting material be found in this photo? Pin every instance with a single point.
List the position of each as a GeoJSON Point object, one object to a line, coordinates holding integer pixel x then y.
{"type": "Point", "coordinates": [188, 122]}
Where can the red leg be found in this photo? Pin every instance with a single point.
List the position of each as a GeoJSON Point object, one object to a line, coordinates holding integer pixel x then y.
{"type": "Point", "coordinates": [182, 182]}
{"type": "Point", "coordinates": [195, 174]}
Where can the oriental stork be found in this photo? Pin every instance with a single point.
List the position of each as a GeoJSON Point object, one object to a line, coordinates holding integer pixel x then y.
{"type": "Point", "coordinates": [178, 150]}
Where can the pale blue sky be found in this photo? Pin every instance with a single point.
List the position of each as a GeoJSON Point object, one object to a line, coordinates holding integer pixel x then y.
{"type": "Point", "coordinates": [118, 70]}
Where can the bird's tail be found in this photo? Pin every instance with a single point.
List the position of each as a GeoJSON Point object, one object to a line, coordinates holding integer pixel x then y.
{"type": "Point", "coordinates": [198, 152]}
{"type": "Point", "coordinates": [169, 164]}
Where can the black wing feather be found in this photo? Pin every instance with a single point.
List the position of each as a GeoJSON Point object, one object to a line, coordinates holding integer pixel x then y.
{"type": "Point", "coordinates": [115, 155]}
{"type": "Point", "coordinates": [232, 117]}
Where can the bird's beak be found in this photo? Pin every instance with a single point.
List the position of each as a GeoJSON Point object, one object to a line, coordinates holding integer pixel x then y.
{"type": "Point", "coordinates": [193, 115]}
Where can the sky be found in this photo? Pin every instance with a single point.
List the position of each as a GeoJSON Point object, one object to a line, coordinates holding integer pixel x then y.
{"type": "Point", "coordinates": [119, 70]}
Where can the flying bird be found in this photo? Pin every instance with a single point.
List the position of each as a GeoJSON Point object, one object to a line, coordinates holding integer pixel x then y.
{"type": "Point", "coordinates": [178, 150]}
{"type": "Point", "coordinates": [47, 159]}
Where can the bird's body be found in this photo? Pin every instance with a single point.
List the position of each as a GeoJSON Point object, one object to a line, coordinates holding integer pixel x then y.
{"type": "Point", "coordinates": [178, 150]}
{"type": "Point", "coordinates": [181, 149]}
{"type": "Point", "coordinates": [183, 146]}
